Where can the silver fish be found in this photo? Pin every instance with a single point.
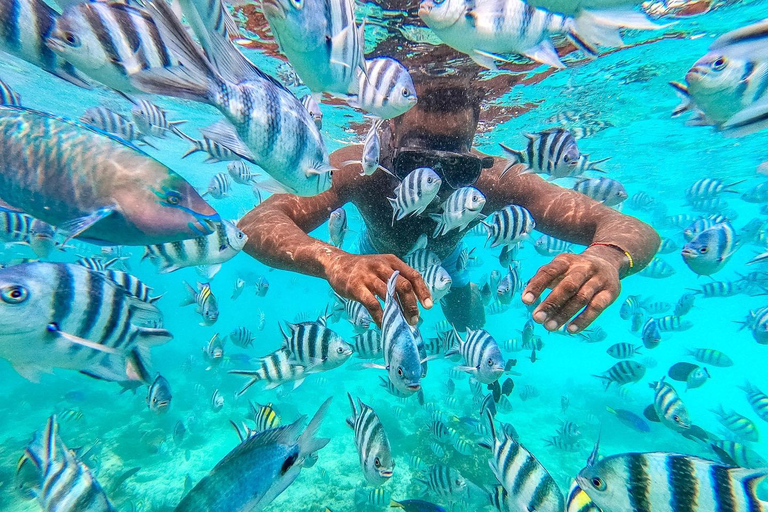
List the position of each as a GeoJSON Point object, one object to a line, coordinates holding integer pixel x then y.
{"type": "Point", "coordinates": [372, 443]}
{"type": "Point", "coordinates": [159, 395]}
{"type": "Point", "coordinates": [206, 304]}
{"type": "Point", "coordinates": [551, 152]}
{"type": "Point", "coordinates": [462, 207]}
{"type": "Point", "coordinates": [412, 196]}
{"type": "Point", "coordinates": [386, 90]}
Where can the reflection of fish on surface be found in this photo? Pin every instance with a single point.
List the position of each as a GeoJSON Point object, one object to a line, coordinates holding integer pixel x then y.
{"type": "Point", "coordinates": [91, 184]}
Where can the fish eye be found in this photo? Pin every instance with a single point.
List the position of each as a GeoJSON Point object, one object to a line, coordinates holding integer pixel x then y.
{"type": "Point", "coordinates": [298, 4]}
{"type": "Point", "coordinates": [720, 63]}
{"type": "Point", "coordinates": [340, 350]}
{"type": "Point", "coordinates": [240, 235]}
{"type": "Point", "coordinates": [406, 93]}
{"type": "Point", "coordinates": [490, 362]}
{"type": "Point", "coordinates": [458, 481]}
{"type": "Point", "coordinates": [676, 418]}
{"type": "Point", "coordinates": [430, 180]}
{"type": "Point", "coordinates": [597, 483]}
{"type": "Point", "coordinates": [703, 250]}
{"type": "Point", "coordinates": [14, 294]}
{"type": "Point", "coordinates": [377, 462]}
{"type": "Point", "coordinates": [71, 39]}
{"type": "Point", "coordinates": [173, 198]}
{"type": "Point", "coordinates": [400, 371]}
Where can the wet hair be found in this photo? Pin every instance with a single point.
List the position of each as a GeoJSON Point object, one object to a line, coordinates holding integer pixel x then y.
{"type": "Point", "coordinates": [451, 98]}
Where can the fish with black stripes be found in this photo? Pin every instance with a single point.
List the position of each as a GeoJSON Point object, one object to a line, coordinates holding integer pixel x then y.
{"type": "Point", "coordinates": [738, 424]}
{"type": "Point", "coordinates": [53, 475]}
{"type": "Point", "coordinates": [414, 193]}
{"type": "Point", "coordinates": [57, 315]}
{"type": "Point", "coordinates": [623, 372]}
{"type": "Point", "coordinates": [264, 416]}
{"type": "Point", "coordinates": [226, 241]}
{"type": "Point", "coordinates": [668, 408]}
{"type": "Point", "coordinates": [386, 90]}
{"type": "Point", "coordinates": [132, 285]}
{"type": "Point", "coordinates": [205, 302]}
{"type": "Point", "coordinates": [508, 225]}
{"type": "Point", "coordinates": [314, 346]}
{"type": "Point", "coordinates": [445, 481]}
{"type": "Point", "coordinates": [552, 152]}
{"type": "Point", "coordinates": [274, 370]}
{"type": "Point", "coordinates": [213, 351]}
{"type": "Point", "coordinates": [152, 120]}
{"type": "Point", "coordinates": [212, 144]}
{"type": "Point", "coordinates": [92, 185]}
{"type": "Point", "coordinates": [481, 354]}
{"type": "Point", "coordinates": [159, 395]}
{"type": "Point", "coordinates": [757, 399]}
{"type": "Point", "coordinates": [242, 337]}
{"type": "Point", "coordinates": [114, 123]}
{"type": "Point", "coordinates": [368, 345]}
{"type": "Point", "coordinates": [372, 443]}
{"type": "Point", "coordinates": [463, 206]}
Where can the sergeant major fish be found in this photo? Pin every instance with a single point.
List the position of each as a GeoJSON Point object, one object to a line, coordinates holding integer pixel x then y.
{"type": "Point", "coordinates": [463, 206]}
{"type": "Point", "coordinates": [668, 408]}
{"type": "Point", "coordinates": [412, 196]}
{"type": "Point", "coordinates": [508, 225]}
{"type": "Point", "coordinates": [112, 193]}
{"type": "Point", "coordinates": [482, 356]}
{"type": "Point", "coordinates": [275, 370]}
{"type": "Point", "coordinates": [337, 226]}
{"type": "Point", "coordinates": [315, 347]}
{"type": "Point", "coordinates": [159, 395]}
{"type": "Point", "coordinates": [372, 443]}
{"type": "Point", "coordinates": [207, 305]}
{"type": "Point", "coordinates": [385, 90]}
{"type": "Point", "coordinates": [551, 152]}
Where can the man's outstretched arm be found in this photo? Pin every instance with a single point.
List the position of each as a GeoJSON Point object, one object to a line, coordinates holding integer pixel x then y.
{"type": "Point", "coordinates": [618, 245]}
{"type": "Point", "coordinates": [277, 236]}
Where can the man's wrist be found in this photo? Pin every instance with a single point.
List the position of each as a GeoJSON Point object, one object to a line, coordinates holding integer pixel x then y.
{"type": "Point", "coordinates": [613, 254]}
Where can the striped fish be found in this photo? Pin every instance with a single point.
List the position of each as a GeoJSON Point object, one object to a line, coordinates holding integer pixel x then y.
{"type": "Point", "coordinates": [416, 464]}
{"type": "Point", "coordinates": [673, 323]}
{"type": "Point", "coordinates": [206, 304]}
{"type": "Point", "coordinates": [463, 206]}
{"type": "Point", "coordinates": [217, 401]}
{"type": "Point", "coordinates": [437, 449]}
{"type": "Point", "coordinates": [368, 345]}
{"type": "Point", "coordinates": [497, 496]}
{"type": "Point", "coordinates": [369, 160]}
{"type": "Point", "coordinates": [709, 188]}
{"type": "Point", "coordinates": [550, 246]}
{"type": "Point", "coordinates": [414, 193]}
{"type": "Point", "coordinates": [24, 29]}
{"type": "Point", "coordinates": [667, 482]}
{"type": "Point", "coordinates": [508, 286]}
{"type": "Point", "coordinates": [445, 481]}
{"type": "Point", "coordinates": [508, 225]}
{"type": "Point", "coordinates": [438, 280]}
{"type": "Point", "coordinates": [711, 249]}
{"type": "Point", "coordinates": [214, 249]}
{"type": "Point", "coordinates": [462, 446]}
{"type": "Point", "coordinates": [159, 395]}
{"type": "Point", "coordinates": [112, 122]}
{"type": "Point", "coordinates": [209, 16]}
{"type": "Point", "coordinates": [132, 285]}
{"type": "Point", "coordinates": [578, 501]}
{"type": "Point", "coordinates": [657, 269]}
{"type": "Point", "coordinates": [77, 319]}
{"type": "Point", "coordinates": [242, 337]}
{"type": "Point", "coordinates": [737, 454]}
{"type": "Point", "coordinates": [711, 357]}
{"type": "Point", "coordinates": [701, 224]}
{"type": "Point", "coordinates": [264, 416]}
{"type": "Point", "coordinates": [151, 119]}
{"type": "Point", "coordinates": [421, 259]}
{"type": "Point", "coordinates": [275, 370]}
{"type": "Point", "coordinates": [109, 42]}
{"type": "Point", "coordinates": [386, 90]}
{"type": "Point", "coordinates": [529, 486]}
{"type": "Point", "coordinates": [52, 474]}
{"type": "Point", "coordinates": [632, 304]}
{"type": "Point", "coordinates": [757, 399]}
{"type": "Point", "coordinates": [220, 186]}
{"type": "Point", "coordinates": [313, 108]}
{"type": "Point", "coordinates": [213, 145]}
{"type": "Point", "coordinates": [685, 304]}
{"type": "Point", "coordinates": [267, 125]}
{"type": "Point", "coordinates": [8, 96]}
{"type": "Point", "coordinates": [15, 226]}
{"type": "Point", "coordinates": [213, 352]}
{"type": "Point", "coordinates": [321, 40]}
{"type": "Point", "coordinates": [669, 409]}
{"type": "Point", "coordinates": [337, 226]}
{"type": "Point", "coordinates": [439, 431]}
{"type": "Point", "coordinates": [372, 443]}
{"type": "Point", "coordinates": [402, 345]}
{"type": "Point", "coordinates": [740, 425]}
{"type": "Point", "coordinates": [241, 173]}
{"type": "Point", "coordinates": [604, 190]}
{"type": "Point", "coordinates": [623, 350]}
{"type": "Point", "coordinates": [356, 313]}
{"type": "Point", "coordinates": [315, 347]}
{"type": "Point", "coordinates": [482, 356]}
{"type": "Point", "coordinates": [622, 373]}
{"type": "Point", "coordinates": [375, 498]}
{"type": "Point", "coordinates": [551, 152]}
{"type": "Point", "coordinates": [562, 443]}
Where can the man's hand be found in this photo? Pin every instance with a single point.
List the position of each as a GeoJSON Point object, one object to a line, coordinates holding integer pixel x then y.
{"type": "Point", "coordinates": [577, 281]}
{"type": "Point", "coordinates": [364, 277]}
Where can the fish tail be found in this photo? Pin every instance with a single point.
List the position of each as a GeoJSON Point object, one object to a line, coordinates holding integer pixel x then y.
{"type": "Point", "coordinates": [191, 297]}
{"type": "Point", "coordinates": [591, 29]}
{"type": "Point", "coordinates": [195, 78]}
{"type": "Point", "coordinates": [307, 441]}
{"type": "Point", "coordinates": [751, 119]}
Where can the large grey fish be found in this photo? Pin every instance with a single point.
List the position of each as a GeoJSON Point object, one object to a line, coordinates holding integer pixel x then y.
{"type": "Point", "coordinates": [402, 343]}
{"type": "Point", "coordinates": [92, 185]}
{"type": "Point", "coordinates": [257, 470]}
{"type": "Point", "coordinates": [314, 346]}
{"type": "Point", "coordinates": [214, 249]}
{"type": "Point", "coordinates": [271, 128]}
{"type": "Point", "coordinates": [321, 40]}
{"type": "Point", "coordinates": [482, 356]}
{"type": "Point", "coordinates": [551, 152]}
{"type": "Point", "coordinates": [109, 42]}
{"type": "Point", "coordinates": [488, 31]}
{"type": "Point", "coordinates": [668, 482]}
{"type": "Point", "coordinates": [56, 315]}
{"type": "Point", "coordinates": [24, 27]}
{"type": "Point", "coordinates": [372, 443]}
{"type": "Point", "coordinates": [52, 474]}
{"type": "Point", "coordinates": [528, 484]}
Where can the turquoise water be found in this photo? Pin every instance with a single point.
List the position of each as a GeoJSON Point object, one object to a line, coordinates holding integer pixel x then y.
{"type": "Point", "coordinates": [650, 152]}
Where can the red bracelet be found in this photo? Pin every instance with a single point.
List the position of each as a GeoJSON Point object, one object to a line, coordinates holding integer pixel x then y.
{"type": "Point", "coordinates": [626, 253]}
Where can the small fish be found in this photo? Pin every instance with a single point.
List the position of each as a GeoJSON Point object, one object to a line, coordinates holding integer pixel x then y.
{"type": "Point", "coordinates": [444, 481]}
{"type": "Point", "coordinates": [740, 425]}
{"type": "Point", "coordinates": [551, 152]}
{"type": "Point", "coordinates": [241, 173]}
{"type": "Point", "coordinates": [264, 416]}
{"type": "Point", "coordinates": [372, 443]}
{"type": "Point", "coordinates": [631, 304]}
{"type": "Point", "coordinates": [151, 119]}
{"type": "Point", "coordinates": [239, 287]}
{"type": "Point", "coordinates": [711, 249]}
{"type": "Point", "coordinates": [368, 345]}
{"type": "Point", "coordinates": [623, 372]}
{"type": "Point", "coordinates": [385, 90]}
{"type": "Point", "coordinates": [159, 395]}
{"type": "Point", "coordinates": [206, 304]}
{"type": "Point", "coordinates": [242, 337]}
{"type": "Point", "coordinates": [482, 357]}
{"type": "Point", "coordinates": [630, 419]}
{"type": "Point", "coordinates": [672, 323]}
{"type": "Point", "coordinates": [275, 369]}
{"type": "Point", "coordinates": [262, 286]}
{"type": "Point", "coordinates": [421, 259]}
{"type": "Point", "coordinates": [213, 144]}
{"type": "Point", "coordinates": [508, 225]}
{"type": "Point", "coordinates": [709, 188]}
{"type": "Point", "coordinates": [371, 150]}
{"type": "Point", "coordinates": [416, 506]}
{"type": "Point", "coordinates": [438, 280]}
{"type": "Point", "coordinates": [550, 246]}
{"type": "Point", "coordinates": [657, 269]}
{"type": "Point", "coordinates": [113, 123]}
{"type": "Point", "coordinates": [604, 190]}
{"type": "Point", "coordinates": [737, 454]}
{"type": "Point", "coordinates": [684, 304]}
{"type": "Point", "coordinates": [219, 187]}
{"type": "Point", "coordinates": [313, 108]}
{"type": "Point", "coordinates": [757, 399]}
{"type": "Point", "coordinates": [274, 460]}
{"type": "Point", "coordinates": [412, 196]}
{"type": "Point", "coordinates": [668, 408]}
{"type": "Point", "coordinates": [357, 315]}
{"type": "Point", "coordinates": [668, 246]}
{"type": "Point", "coordinates": [337, 226]}
{"type": "Point", "coordinates": [314, 346]}
{"type": "Point", "coordinates": [375, 498]}
{"type": "Point", "coordinates": [463, 206]}
{"type": "Point", "coordinates": [217, 401]}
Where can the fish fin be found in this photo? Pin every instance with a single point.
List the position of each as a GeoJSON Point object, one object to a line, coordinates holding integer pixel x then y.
{"type": "Point", "coordinates": [468, 369]}
{"type": "Point", "coordinates": [273, 186]}
{"type": "Point", "coordinates": [484, 59]}
{"type": "Point", "coordinates": [222, 132]}
{"type": "Point", "coordinates": [307, 442]}
{"type": "Point", "coordinates": [173, 267]}
{"type": "Point", "coordinates": [685, 97]}
{"type": "Point", "coordinates": [75, 227]}
{"type": "Point", "coordinates": [601, 27]}
{"type": "Point", "coordinates": [138, 367]}
{"type": "Point", "coordinates": [545, 53]}
{"type": "Point", "coordinates": [29, 372]}
{"type": "Point", "coordinates": [747, 42]}
{"type": "Point", "coordinates": [72, 77]}
{"type": "Point", "coordinates": [191, 297]}
{"type": "Point", "coordinates": [298, 382]}
{"type": "Point", "coordinates": [152, 336]}
{"type": "Point", "coordinates": [49, 445]}
{"type": "Point", "coordinates": [85, 343]}
{"type": "Point", "coordinates": [749, 120]}
{"type": "Point", "coordinates": [651, 414]}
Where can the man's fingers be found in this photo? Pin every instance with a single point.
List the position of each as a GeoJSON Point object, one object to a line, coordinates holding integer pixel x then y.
{"type": "Point", "coordinates": [369, 301]}
{"type": "Point", "coordinates": [598, 304]}
{"type": "Point", "coordinates": [417, 283]}
{"type": "Point", "coordinates": [543, 278]}
{"type": "Point", "coordinates": [562, 293]}
{"type": "Point", "coordinates": [407, 300]}
{"type": "Point", "coordinates": [575, 304]}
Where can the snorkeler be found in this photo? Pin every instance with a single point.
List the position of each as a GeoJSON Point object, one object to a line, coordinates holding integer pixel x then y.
{"type": "Point", "coordinates": [438, 133]}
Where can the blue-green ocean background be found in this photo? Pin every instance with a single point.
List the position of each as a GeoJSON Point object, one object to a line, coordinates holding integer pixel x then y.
{"type": "Point", "coordinates": [650, 152]}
